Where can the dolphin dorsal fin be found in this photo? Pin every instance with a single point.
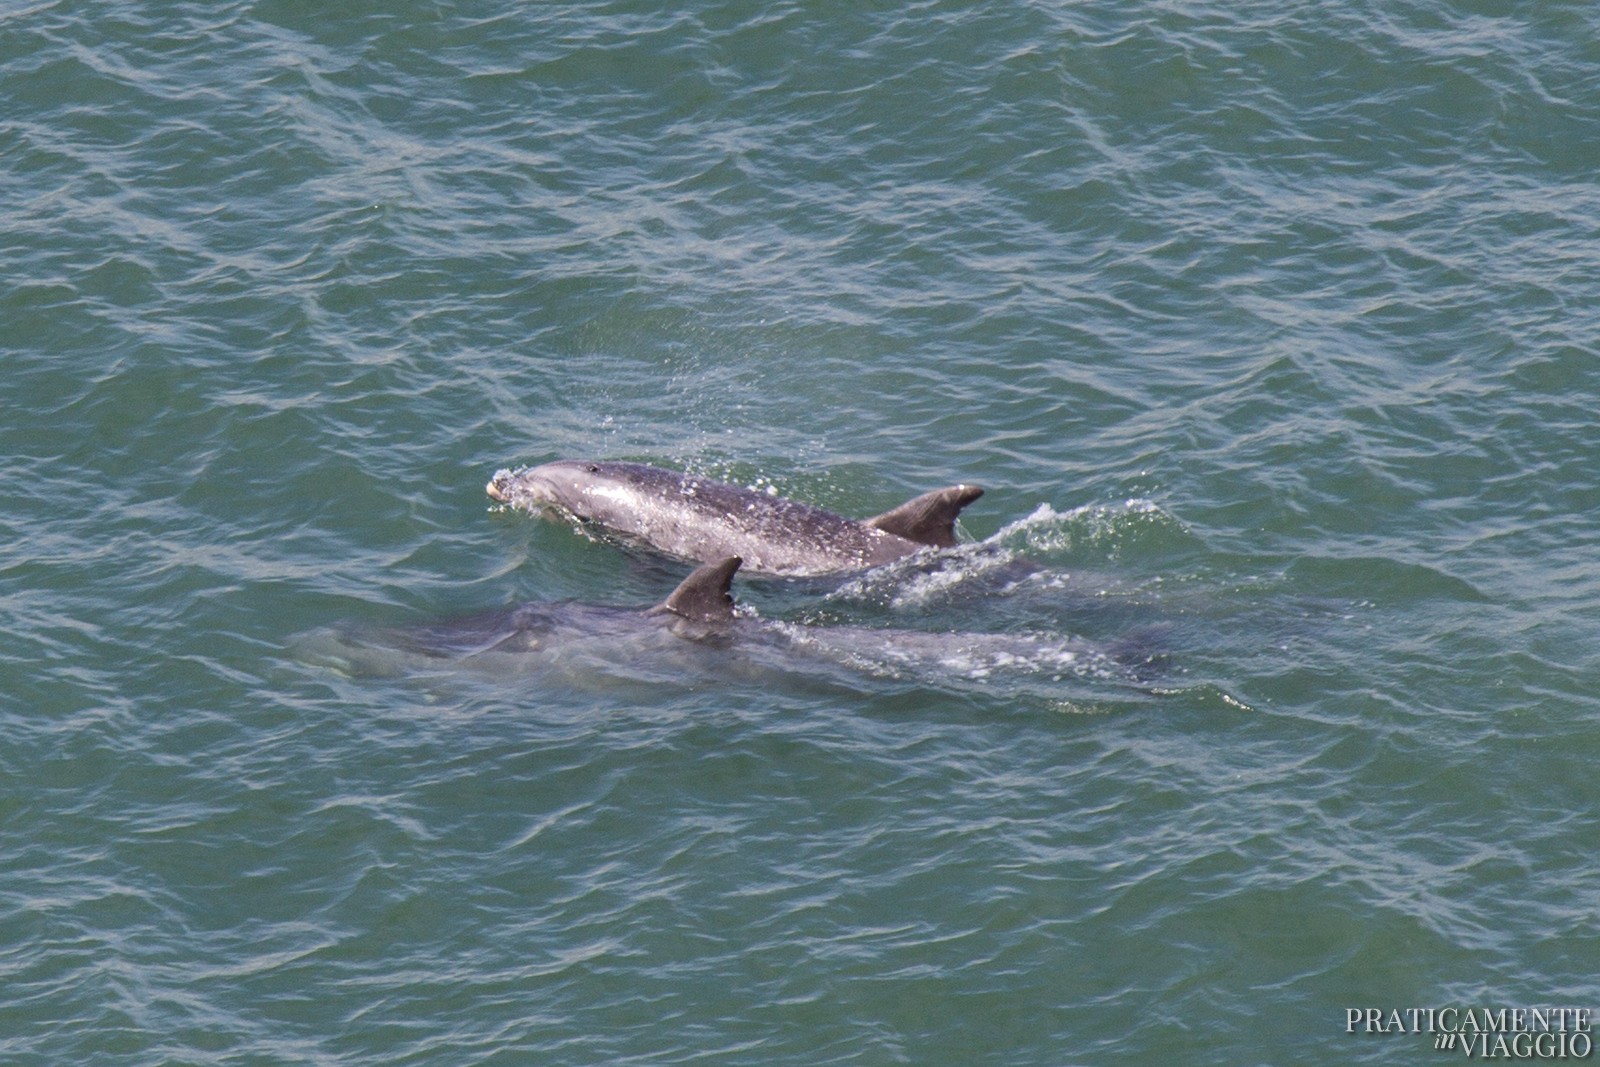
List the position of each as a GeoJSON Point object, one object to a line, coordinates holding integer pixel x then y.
{"type": "Point", "coordinates": [703, 596]}
{"type": "Point", "coordinates": [930, 519]}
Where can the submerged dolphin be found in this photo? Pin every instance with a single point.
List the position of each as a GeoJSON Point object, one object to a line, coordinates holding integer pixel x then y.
{"type": "Point", "coordinates": [706, 521]}
{"type": "Point", "coordinates": [700, 609]}
{"type": "Point", "coordinates": [701, 612]}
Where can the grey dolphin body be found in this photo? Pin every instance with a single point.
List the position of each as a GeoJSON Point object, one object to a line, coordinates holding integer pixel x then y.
{"type": "Point", "coordinates": [706, 521]}
{"type": "Point", "coordinates": [701, 610]}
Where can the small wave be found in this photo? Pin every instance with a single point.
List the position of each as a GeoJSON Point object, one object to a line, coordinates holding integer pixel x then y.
{"type": "Point", "coordinates": [926, 578]}
{"type": "Point", "coordinates": [1097, 532]}
{"type": "Point", "coordinates": [1368, 580]}
{"type": "Point", "coordinates": [944, 658]}
{"type": "Point", "coordinates": [1046, 548]}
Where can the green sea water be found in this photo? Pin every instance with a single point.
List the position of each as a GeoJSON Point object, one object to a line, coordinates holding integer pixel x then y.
{"type": "Point", "coordinates": [1271, 330]}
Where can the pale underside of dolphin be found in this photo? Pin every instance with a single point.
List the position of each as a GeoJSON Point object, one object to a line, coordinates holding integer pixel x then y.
{"type": "Point", "coordinates": [706, 521]}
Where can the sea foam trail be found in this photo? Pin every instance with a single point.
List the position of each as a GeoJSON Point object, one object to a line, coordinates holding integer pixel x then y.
{"type": "Point", "coordinates": [1077, 550]}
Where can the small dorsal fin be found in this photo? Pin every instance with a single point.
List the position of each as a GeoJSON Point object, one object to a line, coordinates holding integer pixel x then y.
{"type": "Point", "coordinates": [703, 596]}
{"type": "Point", "coordinates": [930, 519]}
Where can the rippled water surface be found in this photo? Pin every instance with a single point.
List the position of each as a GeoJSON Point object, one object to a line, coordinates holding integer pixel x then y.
{"type": "Point", "coordinates": [1271, 330]}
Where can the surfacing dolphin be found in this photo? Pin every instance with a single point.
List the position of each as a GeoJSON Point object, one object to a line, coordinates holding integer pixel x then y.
{"type": "Point", "coordinates": [700, 612]}
{"type": "Point", "coordinates": [707, 521]}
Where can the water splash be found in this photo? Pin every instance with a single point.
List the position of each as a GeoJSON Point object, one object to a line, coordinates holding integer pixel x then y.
{"type": "Point", "coordinates": [1049, 549]}
{"type": "Point", "coordinates": [1101, 533]}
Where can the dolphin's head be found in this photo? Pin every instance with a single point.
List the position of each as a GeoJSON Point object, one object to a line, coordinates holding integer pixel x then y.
{"type": "Point", "coordinates": [560, 484]}
{"type": "Point", "coordinates": [585, 489]}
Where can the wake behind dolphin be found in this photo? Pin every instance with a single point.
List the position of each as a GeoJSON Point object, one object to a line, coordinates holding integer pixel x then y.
{"type": "Point", "coordinates": [704, 520]}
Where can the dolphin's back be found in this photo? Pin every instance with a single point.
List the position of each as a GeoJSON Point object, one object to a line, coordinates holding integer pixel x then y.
{"type": "Point", "coordinates": [703, 519]}
{"type": "Point", "coordinates": [707, 520]}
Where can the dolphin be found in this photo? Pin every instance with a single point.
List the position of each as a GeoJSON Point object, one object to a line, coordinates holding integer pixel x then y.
{"type": "Point", "coordinates": [707, 521]}
{"type": "Point", "coordinates": [700, 613]}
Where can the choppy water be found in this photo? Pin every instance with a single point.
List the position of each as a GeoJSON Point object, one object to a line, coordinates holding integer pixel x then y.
{"type": "Point", "coordinates": [1272, 331]}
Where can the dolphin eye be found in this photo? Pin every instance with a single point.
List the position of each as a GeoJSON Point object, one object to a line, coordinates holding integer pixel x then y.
{"type": "Point", "coordinates": [594, 468]}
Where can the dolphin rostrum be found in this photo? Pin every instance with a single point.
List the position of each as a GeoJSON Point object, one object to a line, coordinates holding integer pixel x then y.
{"type": "Point", "coordinates": [707, 521]}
